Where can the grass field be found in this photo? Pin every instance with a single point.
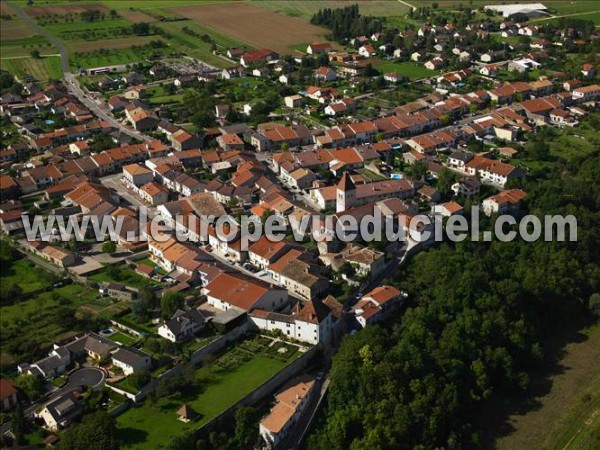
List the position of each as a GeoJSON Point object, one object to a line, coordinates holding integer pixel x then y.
{"type": "Point", "coordinates": [568, 416]}
{"type": "Point", "coordinates": [29, 326]}
{"type": "Point", "coordinates": [590, 15]}
{"type": "Point", "coordinates": [122, 338]}
{"type": "Point", "coordinates": [306, 9]}
{"type": "Point", "coordinates": [72, 31]}
{"type": "Point", "coordinates": [151, 426]}
{"type": "Point", "coordinates": [578, 141]}
{"type": "Point", "coordinates": [123, 275]}
{"type": "Point", "coordinates": [62, 8]}
{"type": "Point", "coordinates": [254, 25]}
{"type": "Point", "coordinates": [194, 46]}
{"type": "Point", "coordinates": [23, 273]}
{"type": "Point", "coordinates": [410, 70]}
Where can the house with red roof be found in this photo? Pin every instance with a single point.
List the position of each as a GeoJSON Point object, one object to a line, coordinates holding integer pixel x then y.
{"type": "Point", "coordinates": [376, 305]}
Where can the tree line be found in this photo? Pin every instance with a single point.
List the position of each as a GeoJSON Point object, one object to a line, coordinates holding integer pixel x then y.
{"type": "Point", "coordinates": [347, 22]}
{"type": "Point", "coordinates": [483, 319]}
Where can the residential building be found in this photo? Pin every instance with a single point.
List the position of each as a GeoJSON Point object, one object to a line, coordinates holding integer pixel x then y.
{"type": "Point", "coordinates": [291, 401]}
{"type": "Point", "coordinates": [131, 360]}
{"type": "Point", "coordinates": [376, 305]}
{"type": "Point", "coordinates": [503, 202]}
{"type": "Point", "coordinates": [182, 325]}
{"type": "Point", "coordinates": [9, 395]}
{"type": "Point", "coordinates": [231, 290]}
{"type": "Point", "coordinates": [60, 412]}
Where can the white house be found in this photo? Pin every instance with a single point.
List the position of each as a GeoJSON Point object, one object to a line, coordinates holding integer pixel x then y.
{"type": "Point", "coordinates": [367, 51]}
{"type": "Point", "coordinates": [376, 305]}
{"type": "Point", "coordinates": [447, 209]}
{"type": "Point", "coordinates": [131, 360]}
{"type": "Point", "coordinates": [503, 201]}
{"type": "Point", "coordinates": [60, 412]}
{"type": "Point", "coordinates": [182, 325]}
{"type": "Point", "coordinates": [312, 321]}
{"type": "Point", "coordinates": [229, 290]}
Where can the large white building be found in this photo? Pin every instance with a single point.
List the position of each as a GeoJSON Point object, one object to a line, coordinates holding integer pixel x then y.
{"type": "Point", "coordinates": [311, 321]}
{"type": "Point", "coordinates": [529, 9]}
{"type": "Point", "coordinates": [229, 290]}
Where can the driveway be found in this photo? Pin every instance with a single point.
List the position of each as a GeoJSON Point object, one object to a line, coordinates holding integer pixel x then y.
{"type": "Point", "coordinates": [87, 377]}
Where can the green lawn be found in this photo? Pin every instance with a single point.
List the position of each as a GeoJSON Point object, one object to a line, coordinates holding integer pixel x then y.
{"type": "Point", "coordinates": [122, 338]}
{"type": "Point", "coordinates": [25, 274]}
{"type": "Point", "coordinates": [194, 46]}
{"type": "Point", "coordinates": [150, 426]}
{"type": "Point", "coordinates": [591, 15]}
{"type": "Point", "coordinates": [370, 175]}
{"type": "Point", "coordinates": [42, 69]}
{"type": "Point", "coordinates": [30, 326]}
{"type": "Point", "coordinates": [121, 274]}
{"type": "Point", "coordinates": [306, 9]}
{"type": "Point", "coordinates": [129, 320]}
{"type": "Point", "coordinates": [411, 70]}
{"type": "Point", "coordinates": [574, 7]}
{"type": "Point", "coordinates": [82, 57]}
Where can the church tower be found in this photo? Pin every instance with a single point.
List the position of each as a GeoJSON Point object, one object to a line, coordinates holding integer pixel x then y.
{"type": "Point", "coordinates": [346, 193]}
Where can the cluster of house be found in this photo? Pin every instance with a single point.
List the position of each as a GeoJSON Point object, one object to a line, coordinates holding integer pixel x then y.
{"type": "Point", "coordinates": [63, 409]}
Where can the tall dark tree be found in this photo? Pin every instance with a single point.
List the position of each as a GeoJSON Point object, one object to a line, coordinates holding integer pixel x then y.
{"type": "Point", "coordinates": [97, 431]}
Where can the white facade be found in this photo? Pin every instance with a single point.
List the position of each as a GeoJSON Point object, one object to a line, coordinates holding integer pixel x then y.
{"type": "Point", "coordinates": [303, 331]}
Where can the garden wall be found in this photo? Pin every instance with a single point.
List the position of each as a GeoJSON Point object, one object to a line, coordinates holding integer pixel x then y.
{"type": "Point", "coordinates": [265, 389]}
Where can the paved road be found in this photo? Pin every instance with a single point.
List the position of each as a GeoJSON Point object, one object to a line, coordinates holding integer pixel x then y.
{"type": "Point", "coordinates": [71, 81]}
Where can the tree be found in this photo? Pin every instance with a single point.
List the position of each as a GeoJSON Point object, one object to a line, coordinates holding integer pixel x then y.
{"type": "Point", "coordinates": [141, 29]}
{"type": "Point", "coordinates": [594, 304]}
{"type": "Point", "coordinates": [19, 425]}
{"type": "Point", "coordinates": [140, 379]}
{"type": "Point", "coordinates": [170, 303]}
{"type": "Point", "coordinates": [140, 309]}
{"type": "Point", "coordinates": [109, 247]}
{"type": "Point", "coordinates": [488, 334]}
{"type": "Point", "coordinates": [9, 291]}
{"type": "Point", "coordinates": [418, 170]}
{"type": "Point", "coordinates": [445, 181]}
{"type": "Point", "coordinates": [97, 431]}
{"type": "Point", "coordinates": [144, 302]}
{"type": "Point", "coordinates": [35, 54]}
{"type": "Point", "coordinates": [245, 428]}
{"type": "Point", "coordinates": [30, 385]}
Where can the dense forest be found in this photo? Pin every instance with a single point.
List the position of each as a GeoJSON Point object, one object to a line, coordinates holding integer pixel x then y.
{"type": "Point", "coordinates": [482, 318]}
{"type": "Point", "coordinates": [346, 22]}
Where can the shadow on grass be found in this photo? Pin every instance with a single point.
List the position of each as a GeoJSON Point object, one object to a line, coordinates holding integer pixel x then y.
{"type": "Point", "coordinates": [133, 435]}
{"type": "Point", "coordinates": [495, 415]}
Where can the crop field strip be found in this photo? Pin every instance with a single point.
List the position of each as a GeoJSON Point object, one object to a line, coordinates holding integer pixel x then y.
{"type": "Point", "coordinates": [254, 25]}
{"type": "Point", "coordinates": [306, 9]}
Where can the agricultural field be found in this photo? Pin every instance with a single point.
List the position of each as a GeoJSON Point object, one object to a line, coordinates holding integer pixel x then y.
{"type": "Point", "coordinates": [411, 70]}
{"type": "Point", "coordinates": [18, 41]}
{"type": "Point", "coordinates": [62, 8]}
{"type": "Point", "coordinates": [121, 274]}
{"type": "Point", "coordinates": [31, 325]}
{"type": "Point", "coordinates": [194, 46]}
{"type": "Point", "coordinates": [306, 9]}
{"type": "Point", "coordinates": [568, 416]}
{"type": "Point", "coordinates": [253, 25]}
{"type": "Point", "coordinates": [217, 386]}
{"type": "Point", "coordinates": [25, 274]}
